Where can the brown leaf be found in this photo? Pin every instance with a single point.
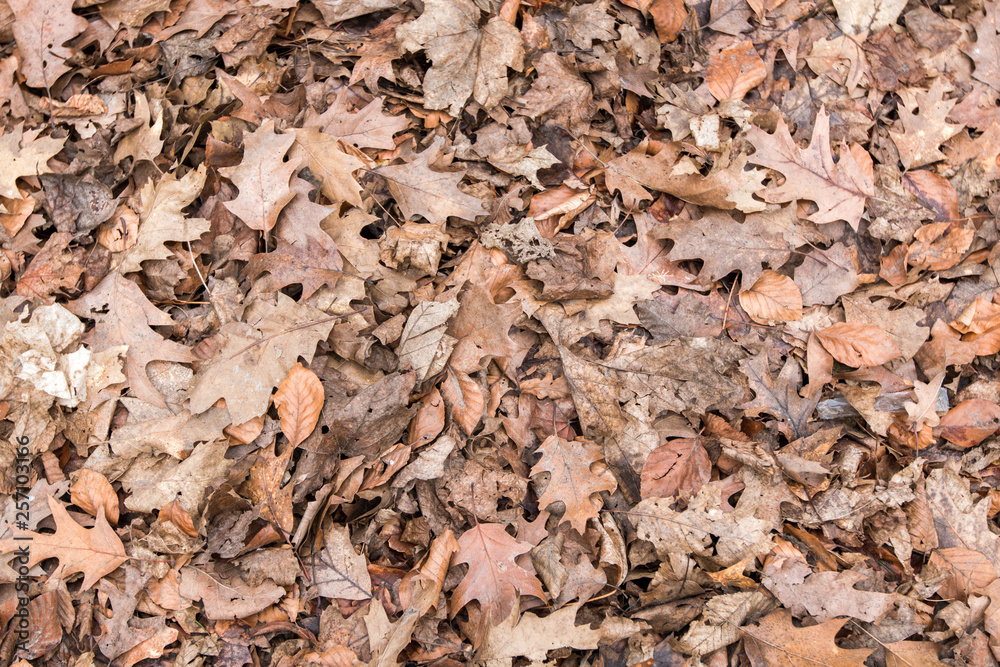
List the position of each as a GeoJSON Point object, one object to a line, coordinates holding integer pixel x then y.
{"type": "Point", "coordinates": [464, 397]}
{"type": "Point", "coordinates": [333, 167]}
{"type": "Point", "coordinates": [429, 421]}
{"type": "Point", "coordinates": [573, 480]}
{"type": "Point", "coordinates": [55, 268]}
{"type": "Point", "coordinates": [494, 578]}
{"type": "Point", "coordinates": [923, 134]}
{"type": "Point", "coordinates": [312, 266]}
{"type": "Point", "coordinates": [970, 422]}
{"type": "Point", "coordinates": [856, 344]}
{"type": "Point", "coordinates": [41, 30]}
{"type": "Point", "coordinates": [92, 492]}
{"type": "Point", "coordinates": [668, 18]}
{"type": "Point", "coordinates": [779, 396]}
{"type": "Point", "coordinates": [560, 94]}
{"type": "Point", "coordinates": [939, 246]}
{"type": "Point", "coordinates": [735, 71]}
{"type": "Point", "coordinates": [968, 571]}
{"type": "Point", "coordinates": [773, 297]}
{"type": "Point", "coordinates": [839, 189]}
{"type": "Point", "coordinates": [676, 469]}
{"type": "Point", "coordinates": [299, 400]}
{"type": "Point", "coordinates": [94, 552]}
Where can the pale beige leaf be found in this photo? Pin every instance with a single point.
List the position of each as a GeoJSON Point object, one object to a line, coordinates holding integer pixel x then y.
{"type": "Point", "coordinates": [263, 177]}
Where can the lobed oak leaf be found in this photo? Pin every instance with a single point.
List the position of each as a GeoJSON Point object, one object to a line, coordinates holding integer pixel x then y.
{"type": "Point", "coordinates": [162, 219]}
{"type": "Point", "coordinates": [774, 641]}
{"type": "Point", "coordinates": [779, 396]}
{"type": "Point", "coordinates": [857, 344]}
{"type": "Point", "coordinates": [94, 552]}
{"type": "Point", "coordinates": [366, 128]}
{"type": "Point", "coordinates": [573, 480]}
{"type": "Point", "coordinates": [838, 189]}
{"type": "Point", "coordinates": [41, 30]}
{"type": "Point", "coordinates": [262, 178]}
{"type": "Point", "coordinates": [24, 155]}
{"type": "Point", "coordinates": [257, 354]}
{"type": "Point", "coordinates": [125, 316]}
{"type": "Point", "coordinates": [923, 134]}
{"type": "Point", "coordinates": [310, 265]}
{"type": "Point", "coordinates": [432, 194]}
{"type": "Point", "coordinates": [467, 60]}
{"type": "Point", "coordinates": [494, 577]}
{"type": "Point", "coordinates": [334, 168]}
{"type": "Point", "coordinates": [985, 51]}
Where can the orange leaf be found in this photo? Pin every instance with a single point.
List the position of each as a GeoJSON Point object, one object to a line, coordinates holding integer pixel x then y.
{"type": "Point", "coordinates": [668, 18]}
{"type": "Point", "coordinates": [299, 400]}
{"type": "Point", "coordinates": [856, 344]}
{"type": "Point", "coordinates": [774, 641]}
{"type": "Point", "coordinates": [92, 492]}
{"type": "Point", "coordinates": [939, 246]}
{"type": "Point", "coordinates": [429, 421]}
{"type": "Point", "coordinates": [970, 422]}
{"type": "Point", "coordinates": [177, 515]}
{"type": "Point", "coordinates": [970, 571]}
{"type": "Point", "coordinates": [95, 552]}
{"type": "Point", "coordinates": [772, 297]}
{"type": "Point", "coordinates": [735, 71]}
{"type": "Point", "coordinates": [680, 467]}
{"type": "Point", "coordinates": [465, 398]}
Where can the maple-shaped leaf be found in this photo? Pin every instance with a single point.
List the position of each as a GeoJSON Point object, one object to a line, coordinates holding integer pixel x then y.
{"type": "Point", "coordinates": [262, 178]}
{"type": "Point", "coordinates": [494, 578]}
{"type": "Point", "coordinates": [467, 61]}
{"type": "Point", "coordinates": [95, 552]}
{"type": "Point", "coordinates": [985, 51]}
{"type": "Point", "coordinates": [333, 167]}
{"type": "Point", "coordinates": [41, 29]}
{"type": "Point", "coordinates": [162, 220]}
{"type": "Point", "coordinates": [125, 316]}
{"type": "Point", "coordinates": [366, 128]}
{"type": "Point", "coordinates": [839, 189]}
{"type": "Point", "coordinates": [775, 641]}
{"type": "Point", "coordinates": [573, 480]}
{"type": "Point", "coordinates": [257, 354]}
{"type": "Point", "coordinates": [24, 154]}
{"type": "Point", "coordinates": [313, 266]}
{"type": "Point", "coordinates": [726, 245]}
{"type": "Point", "coordinates": [779, 396]}
{"type": "Point", "coordinates": [432, 194]}
{"type": "Point", "coordinates": [924, 132]}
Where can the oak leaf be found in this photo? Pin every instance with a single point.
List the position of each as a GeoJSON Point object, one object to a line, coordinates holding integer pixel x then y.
{"type": "Point", "coordinates": [432, 194]}
{"type": "Point", "coordinates": [985, 51]}
{"type": "Point", "coordinates": [467, 61]}
{"type": "Point", "coordinates": [824, 595]}
{"type": "Point", "coordinates": [775, 641]}
{"type": "Point", "coordinates": [162, 219]}
{"type": "Point", "coordinates": [779, 396]}
{"type": "Point", "coordinates": [257, 354]}
{"type": "Point", "coordinates": [494, 578]}
{"type": "Point", "coordinates": [94, 552]}
{"type": "Point", "coordinates": [857, 344]}
{"type": "Point", "coordinates": [310, 265]}
{"type": "Point", "coordinates": [366, 128]}
{"type": "Point", "coordinates": [826, 275]}
{"type": "Point", "coordinates": [125, 316]}
{"type": "Point", "coordinates": [573, 480]}
{"type": "Point", "coordinates": [333, 167]}
{"type": "Point", "coordinates": [923, 134]}
{"type": "Point", "coordinates": [559, 93]}
{"type": "Point", "coordinates": [41, 30]}
{"type": "Point", "coordinates": [262, 178]}
{"type": "Point", "coordinates": [838, 189]}
{"type": "Point", "coordinates": [24, 155]}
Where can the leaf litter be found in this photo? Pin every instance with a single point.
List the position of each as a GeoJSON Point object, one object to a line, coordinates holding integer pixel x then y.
{"type": "Point", "coordinates": [369, 332]}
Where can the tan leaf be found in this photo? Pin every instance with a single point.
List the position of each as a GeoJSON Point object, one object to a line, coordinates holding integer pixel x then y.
{"type": "Point", "coordinates": [92, 492]}
{"type": "Point", "coordinates": [924, 411]}
{"type": "Point", "coordinates": [735, 71]}
{"type": "Point", "coordinates": [341, 572]}
{"type": "Point", "coordinates": [494, 578]}
{"type": "Point", "coordinates": [773, 297]}
{"type": "Point", "coordinates": [299, 400]}
{"type": "Point", "coordinates": [573, 480]}
{"type": "Point", "coordinates": [939, 246]}
{"type": "Point", "coordinates": [839, 189]}
{"type": "Point", "coordinates": [94, 552]}
{"type": "Point", "coordinates": [912, 654]}
{"type": "Point", "coordinates": [464, 397]}
{"type": "Point", "coordinates": [24, 155]}
{"type": "Point", "coordinates": [824, 595]}
{"type": "Point", "coordinates": [856, 344]}
{"type": "Point", "coordinates": [177, 515]}
{"type": "Point", "coordinates": [332, 166]}
{"type": "Point", "coordinates": [676, 469]}
{"type": "Point", "coordinates": [262, 177]}
{"type": "Point", "coordinates": [668, 18]}
{"type": "Point", "coordinates": [434, 195]}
